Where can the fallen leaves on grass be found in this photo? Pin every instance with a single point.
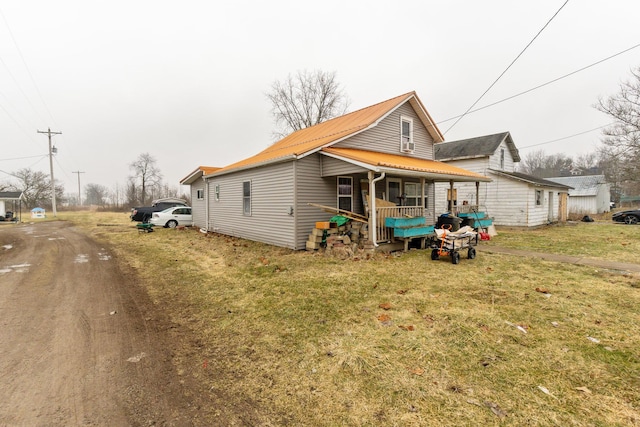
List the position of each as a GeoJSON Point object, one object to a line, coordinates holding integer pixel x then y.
{"type": "Point", "coordinates": [417, 371]}
{"type": "Point", "coordinates": [384, 317]}
{"type": "Point", "coordinates": [542, 290]}
{"type": "Point", "coordinates": [407, 327]}
{"type": "Point", "coordinates": [584, 390]}
{"type": "Point", "coordinates": [385, 306]}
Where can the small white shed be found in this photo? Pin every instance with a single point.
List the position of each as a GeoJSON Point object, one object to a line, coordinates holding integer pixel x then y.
{"type": "Point", "coordinates": [590, 194]}
{"type": "Point", "coordinates": [38, 213]}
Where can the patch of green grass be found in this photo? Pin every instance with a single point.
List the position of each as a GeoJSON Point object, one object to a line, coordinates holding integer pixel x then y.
{"type": "Point", "coordinates": [310, 340]}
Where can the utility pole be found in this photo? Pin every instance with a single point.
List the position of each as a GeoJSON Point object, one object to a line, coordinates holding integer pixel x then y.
{"type": "Point", "coordinates": [79, 197]}
{"type": "Point", "coordinates": [53, 182]}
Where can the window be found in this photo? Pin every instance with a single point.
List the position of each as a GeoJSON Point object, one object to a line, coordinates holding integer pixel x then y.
{"type": "Point", "coordinates": [411, 194]}
{"type": "Point", "coordinates": [200, 194]}
{"type": "Point", "coordinates": [217, 192]}
{"type": "Point", "coordinates": [246, 198]}
{"type": "Point", "coordinates": [407, 144]}
{"type": "Point", "coordinates": [538, 197]}
{"type": "Point", "coordinates": [502, 159]}
{"type": "Point", "coordinates": [345, 193]}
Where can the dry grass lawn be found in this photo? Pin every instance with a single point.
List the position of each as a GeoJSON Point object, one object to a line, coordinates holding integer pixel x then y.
{"type": "Point", "coordinates": [309, 340]}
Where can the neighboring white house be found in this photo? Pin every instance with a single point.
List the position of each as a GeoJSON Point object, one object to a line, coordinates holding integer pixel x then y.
{"type": "Point", "coordinates": [10, 204]}
{"type": "Point", "coordinates": [590, 194]}
{"type": "Point", "coordinates": [511, 198]}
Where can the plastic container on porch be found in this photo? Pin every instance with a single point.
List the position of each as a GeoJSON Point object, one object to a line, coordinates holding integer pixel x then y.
{"type": "Point", "coordinates": [449, 219]}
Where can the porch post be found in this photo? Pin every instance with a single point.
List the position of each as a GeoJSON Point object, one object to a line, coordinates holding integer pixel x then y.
{"type": "Point", "coordinates": [372, 206]}
{"type": "Point", "coordinates": [450, 204]}
{"type": "Point", "coordinates": [478, 196]}
{"type": "Point", "coordinates": [422, 190]}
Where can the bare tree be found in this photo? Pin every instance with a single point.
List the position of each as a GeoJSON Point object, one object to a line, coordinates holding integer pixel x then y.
{"type": "Point", "coordinates": [306, 99]}
{"type": "Point", "coordinates": [96, 194]}
{"type": "Point", "coordinates": [146, 176]}
{"type": "Point", "coordinates": [622, 138]}
{"type": "Point", "coordinates": [539, 164]}
{"type": "Point", "coordinates": [36, 188]}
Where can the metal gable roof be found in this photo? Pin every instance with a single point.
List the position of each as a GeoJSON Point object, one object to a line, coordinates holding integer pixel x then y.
{"type": "Point", "coordinates": [199, 172]}
{"type": "Point", "coordinates": [583, 185]}
{"type": "Point", "coordinates": [10, 195]}
{"type": "Point", "coordinates": [481, 146]}
{"type": "Point", "coordinates": [531, 179]}
{"type": "Point", "coordinates": [313, 138]}
{"type": "Point", "coordinates": [403, 165]}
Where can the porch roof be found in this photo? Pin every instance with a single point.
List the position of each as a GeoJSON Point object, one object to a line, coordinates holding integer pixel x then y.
{"type": "Point", "coordinates": [10, 195]}
{"type": "Point", "coordinates": [403, 165]}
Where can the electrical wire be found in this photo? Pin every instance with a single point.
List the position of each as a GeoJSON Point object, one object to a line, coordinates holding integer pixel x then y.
{"type": "Point", "coordinates": [543, 84]}
{"type": "Point", "coordinates": [508, 67]}
{"type": "Point", "coordinates": [566, 137]}
{"type": "Point", "coordinates": [22, 158]}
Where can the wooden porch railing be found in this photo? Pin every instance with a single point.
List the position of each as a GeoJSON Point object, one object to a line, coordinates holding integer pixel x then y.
{"type": "Point", "coordinates": [385, 234]}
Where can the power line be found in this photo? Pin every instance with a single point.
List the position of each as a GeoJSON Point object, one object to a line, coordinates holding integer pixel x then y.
{"type": "Point", "coordinates": [566, 137]}
{"type": "Point", "coordinates": [543, 84]}
{"type": "Point", "coordinates": [508, 67]}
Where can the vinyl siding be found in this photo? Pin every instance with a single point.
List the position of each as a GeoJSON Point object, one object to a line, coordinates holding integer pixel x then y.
{"type": "Point", "coordinates": [311, 188]}
{"type": "Point", "coordinates": [198, 206]}
{"type": "Point", "coordinates": [333, 167]}
{"type": "Point", "coordinates": [272, 195]}
{"type": "Point", "coordinates": [385, 137]}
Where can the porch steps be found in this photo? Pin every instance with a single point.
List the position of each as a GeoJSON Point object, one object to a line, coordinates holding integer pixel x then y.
{"type": "Point", "coordinates": [409, 228]}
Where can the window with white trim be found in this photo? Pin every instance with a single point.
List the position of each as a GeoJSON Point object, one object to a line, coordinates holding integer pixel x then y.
{"type": "Point", "coordinates": [246, 198]}
{"type": "Point", "coordinates": [538, 197]}
{"type": "Point", "coordinates": [411, 194]}
{"type": "Point", "coordinates": [407, 145]}
{"type": "Point", "coordinates": [345, 193]}
{"type": "Point", "coordinates": [200, 194]}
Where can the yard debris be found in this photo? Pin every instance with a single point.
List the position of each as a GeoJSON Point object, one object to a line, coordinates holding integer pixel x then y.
{"type": "Point", "coordinates": [417, 371]}
{"type": "Point", "coordinates": [584, 390]}
{"type": "Point", "coordinates": [474, 402]}
{"type": "Point", "coordinates": [592, 339]}
{"type": "Point", "coordinates": [385, 306]}
{"type": "Point", "coordinates": [384, 318]}
{"type": "Point", "coordinates": [496, 409]}
{"type": "Point", "coordinates": [137, 357]}
{"type": "Point", "coordinates": [554, 324]}
{"type": "Point", "coordinates": [113, 312]}
{"type": "Point", "coordinates": [518, 327]}
{"type": "Point", "coordinates": [407, 327]}
{"type": "Point", "coordinates": [546, 391]}
{"type": "Point", "coordinates": [402, 291]}
{"type": "Point", "coordinates": [542, 290]}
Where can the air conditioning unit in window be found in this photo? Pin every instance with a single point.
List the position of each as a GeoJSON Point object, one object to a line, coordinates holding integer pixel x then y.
{"type": "Point", "coordinates": [408, 147]}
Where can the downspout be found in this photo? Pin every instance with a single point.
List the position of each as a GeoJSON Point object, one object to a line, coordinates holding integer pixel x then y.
{"type": "Point", "coordinates": [372, 207]}
{"type": "Point", "coordinates": [206, 204]}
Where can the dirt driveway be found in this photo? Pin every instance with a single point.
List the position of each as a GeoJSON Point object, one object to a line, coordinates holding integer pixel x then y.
{"type": "Point", "coordinates": [80, 342]}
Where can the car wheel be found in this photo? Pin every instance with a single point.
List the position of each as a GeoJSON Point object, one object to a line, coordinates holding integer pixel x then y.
{"type": "Point", "coordinates": [472, 253]}
{"type": "Point", "coordinates": [630, 219]}
{"type": "Point", "coordinates": [455, 257]}
{"type": "Point", "coordinates": [172, 224]}
{"type": "Point", "coordinates": [146, 218]}
{"type": "Point", "coordinates": [435, 254]}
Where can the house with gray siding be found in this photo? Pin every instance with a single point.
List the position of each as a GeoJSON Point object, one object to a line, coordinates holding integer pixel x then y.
{"type": "Point", "coordinates": [354, 163]}
{"type": "Point", "coordinates": [590, 194]}
{"type": "Point", "coordinates": [510, 198]}
{"type": "Point", "coordinates": [198, 189]}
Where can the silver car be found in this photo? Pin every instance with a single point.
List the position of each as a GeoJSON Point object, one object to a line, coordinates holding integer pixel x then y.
{"type": "Point", "coordinates": [173, 217]}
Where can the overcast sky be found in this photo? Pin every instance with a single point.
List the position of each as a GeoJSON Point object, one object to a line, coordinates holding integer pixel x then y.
{"type": "Point", "coordinates": [186, 81]}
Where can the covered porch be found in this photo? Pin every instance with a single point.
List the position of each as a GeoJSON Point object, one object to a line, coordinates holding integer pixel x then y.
{"type": "Point", "coordinates": [402, 187]}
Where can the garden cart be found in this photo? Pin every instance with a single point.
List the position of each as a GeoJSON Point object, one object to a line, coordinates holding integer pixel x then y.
{"type": "Point", "coordinates": [449, 243]}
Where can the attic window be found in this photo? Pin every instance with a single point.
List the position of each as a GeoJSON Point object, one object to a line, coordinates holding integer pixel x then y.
{"type": "Point", "coordinates": [407, 145]}
{"type": "Point", "coordinates": [502, 159]}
